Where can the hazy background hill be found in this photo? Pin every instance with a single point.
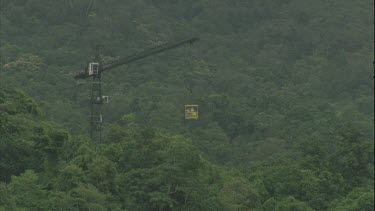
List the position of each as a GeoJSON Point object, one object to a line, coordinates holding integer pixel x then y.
{"type": "Point", "coordinates": [284, 88]}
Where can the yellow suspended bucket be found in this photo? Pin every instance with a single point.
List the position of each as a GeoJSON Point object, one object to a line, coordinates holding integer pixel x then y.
{"type": "Point", "coordinates": [191, 111]}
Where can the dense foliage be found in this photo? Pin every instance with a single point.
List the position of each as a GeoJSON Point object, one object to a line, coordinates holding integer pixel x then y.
{"type": "Point", "coordinates": [284, 88]}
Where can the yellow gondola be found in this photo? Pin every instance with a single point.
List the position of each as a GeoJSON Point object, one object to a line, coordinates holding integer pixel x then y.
{"type": "Point", "coordinates": [191, 111]}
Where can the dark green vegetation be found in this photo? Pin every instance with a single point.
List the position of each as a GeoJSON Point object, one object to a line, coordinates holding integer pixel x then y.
{"type": "Point", "coordinates": [284, 87]}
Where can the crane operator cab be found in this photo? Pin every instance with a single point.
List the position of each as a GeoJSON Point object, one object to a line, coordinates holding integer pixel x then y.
{"type": "Point", "coordinates": [93, 68]}
{"type": "Point", "coordinates": [191, 111]}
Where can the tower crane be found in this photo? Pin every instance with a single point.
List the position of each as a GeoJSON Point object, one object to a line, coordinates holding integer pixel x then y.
{"type": "Point", "coordinates": [95, 69]}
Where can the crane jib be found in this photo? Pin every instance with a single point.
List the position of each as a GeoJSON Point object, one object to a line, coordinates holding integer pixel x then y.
{"type": "Point", "coordinates": [140, 55]}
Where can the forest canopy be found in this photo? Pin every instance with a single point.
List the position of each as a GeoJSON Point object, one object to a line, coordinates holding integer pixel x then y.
{"type": "Point", "coordinates": [285, 95]}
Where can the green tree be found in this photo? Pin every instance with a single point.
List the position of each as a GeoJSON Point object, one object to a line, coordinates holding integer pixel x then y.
{"type": "Point", "coordinates": [27, 191]}
{"type": "Point", "coordinates": [357, 199]}
{"type": "Point", "coordinates": [290, 203]}
{"type": "Point", "coordinates": [239, 194]}
{"type": "Point", "coordinates": [354, 157]}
